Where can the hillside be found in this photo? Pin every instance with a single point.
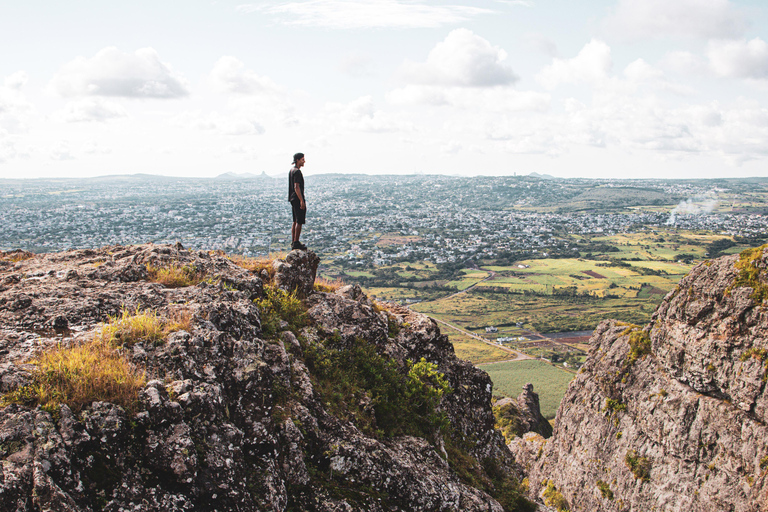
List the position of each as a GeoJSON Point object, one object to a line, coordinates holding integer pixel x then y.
{"type": "Point", "coordinates": [670, 416]}
{"type": "Point", "coordinates": [157, 378]}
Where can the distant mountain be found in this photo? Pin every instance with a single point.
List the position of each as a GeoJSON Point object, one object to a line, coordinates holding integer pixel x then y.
{"type": "Point", "coordinates": [541, 176]}
{"type": "Point", "coordinates": [243, 176]}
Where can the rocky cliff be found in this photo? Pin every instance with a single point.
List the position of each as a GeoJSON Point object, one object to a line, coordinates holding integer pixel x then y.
{"type": "Point", "coordinates": [247, 397]}
{"type": "Point", "coordinates": [670, 416]}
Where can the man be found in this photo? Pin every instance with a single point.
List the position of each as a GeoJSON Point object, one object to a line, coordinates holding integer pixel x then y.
{"type": "Point", "coordinates": [296, 197]}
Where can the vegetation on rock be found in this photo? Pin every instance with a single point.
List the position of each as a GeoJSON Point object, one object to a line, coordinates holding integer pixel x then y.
{"type": "Point", "coordinates": [752, 275]}
{"type": "Point", "coordinates": [279, 305]}
{"type": "Point", "coordinates": [141, 326]}
{"type": "Point", "coordinates": [175, 276]}
{"type": "Point", "coordinates": [554, 498]}
{"type": "Point", "coordinates": [605, 490]}
{"type": "Point", "coordinates": [79, 375]}
{"type": "Point", "coordinates": [639, 466]}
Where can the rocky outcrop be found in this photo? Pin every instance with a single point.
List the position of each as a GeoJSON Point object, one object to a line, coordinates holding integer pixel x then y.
{"type": "Point", "coordinates": [672, 416]}
{"type": "Point", "coordinates": [522, 414]}
{"type": "Point", "coordinates": [231, 418]}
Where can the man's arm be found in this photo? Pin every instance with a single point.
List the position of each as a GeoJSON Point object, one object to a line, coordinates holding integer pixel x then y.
{"type": "Point", "coordinates": [297, 189]}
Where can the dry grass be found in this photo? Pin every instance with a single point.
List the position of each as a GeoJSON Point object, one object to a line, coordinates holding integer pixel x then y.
{"type": "Point", "coordinates": [175, 276]}
{"type": "Point", "coordinates": [16, 256]}
{"type": "Point", "coordinates": [79, 375]}
{"type": "Point", "coordinates": [326, 285]}
{"type": "Point", "coordinates": [142, 326]}
{"type": "Point", "coordinates": [256, 265]}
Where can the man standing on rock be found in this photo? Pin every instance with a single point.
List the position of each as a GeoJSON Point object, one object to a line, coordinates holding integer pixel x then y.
{"type": "Point", "coordinates": [296, 197]}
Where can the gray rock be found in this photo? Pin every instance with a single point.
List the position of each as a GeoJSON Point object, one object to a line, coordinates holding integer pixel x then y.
{"type": "Point", "coordinates": [683, 428]}
{"type": "Point", "coordinates": [228, 420]}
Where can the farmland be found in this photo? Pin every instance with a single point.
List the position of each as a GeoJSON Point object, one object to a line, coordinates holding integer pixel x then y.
{"type": "Point", "coordinates": [550, 383]}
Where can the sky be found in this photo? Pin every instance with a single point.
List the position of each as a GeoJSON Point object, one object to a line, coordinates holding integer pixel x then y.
{"type": "Point", "coordinates": [596, 89]}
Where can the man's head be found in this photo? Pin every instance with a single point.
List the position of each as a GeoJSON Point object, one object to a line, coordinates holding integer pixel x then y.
{"type": "Point", "coordinates": [298, 159]}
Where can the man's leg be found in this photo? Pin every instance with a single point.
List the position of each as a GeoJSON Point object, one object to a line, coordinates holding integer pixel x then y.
{"type": "Point", "coordinates": [298, 232]}
{"type": "Point", "coordinates": [293, 231]}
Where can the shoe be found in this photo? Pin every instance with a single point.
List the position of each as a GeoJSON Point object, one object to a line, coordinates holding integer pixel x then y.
{"type": "Point", "coordinates": [301, 246]}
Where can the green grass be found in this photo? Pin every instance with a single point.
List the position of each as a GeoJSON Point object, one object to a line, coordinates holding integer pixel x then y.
{"type": "Point", "coordinates": [549, 382]}
{"type": "Point", "coordinates": [476, 352]}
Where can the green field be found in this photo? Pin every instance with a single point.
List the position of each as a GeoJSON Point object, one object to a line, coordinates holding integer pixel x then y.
{"type": "Point", "coordinates": [548, 382]}
{"type": "Point", "coordinates": [472, 350]}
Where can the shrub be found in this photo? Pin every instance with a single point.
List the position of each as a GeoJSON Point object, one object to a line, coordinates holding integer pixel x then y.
{"type": "Point", "coordinates": [758, 353]}
{"type": "Point", "coordinates": [256, 265]}
{"type": "Point", "coordinates": [508, 421]}
{"type": "Point", "coordinates": [639, 343]}
{"type": "Point", "coordinates": [359, 385]}
{"type": "Point", "coordinates": [640, 466]}
{"type": "Point", "coordinates": [143, 326]}
{"type": "Point", "coordinates": [280, 305]}
{"type": "Point", "coordinates": [16, 256]}
{"type": "Point", "coordinates": [174, 276]}
{"type": "Point", "coordinates": [327, 285]}
{"type": "Point", "coordinates": [750, 275]}
{"type": "Point", "coordinates": [605, 490]}
{"type": "Point", "coordinates": [79, 375]}
{"type": "Point", "coordinates": [553, 498]}
{"type": "Point", "coordinates": [614, 406]}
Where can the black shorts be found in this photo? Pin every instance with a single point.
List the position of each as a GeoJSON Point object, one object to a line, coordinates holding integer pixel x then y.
{"type": "Point", "coordinates": [299, 215]}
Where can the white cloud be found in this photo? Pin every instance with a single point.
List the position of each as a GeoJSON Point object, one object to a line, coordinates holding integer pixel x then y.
{"type": "Point", "coordinates": [229, 75]}
{"type": "Point", "coordinates": [113, 73]}
{"type": "Point", "coordinates": [353, 14]}
{"type": "Point", "coordinates": [739, 59]}
{"type": "Point", "coordinates": [642, 19]}
{"type": "Point", "coordinates": [361, 115]}
{"type": "Point", "coordinates": [358, 66]}
{"type": "Point", "coordinates": [685, 63]}
{"type": "Point", "coordinates": [641, 71]}
{"type": "Point", "coordinates": [496, 99]}
{"type": "Point", "coordinates": [462, 59]}
{"type": "Point", "coordinates": [91, 147]}
{"type": "Point", "coordinates": [591, 65]}
{"type": "Point", "coordinates": [14, 107]}
{"type": "Point", "coordinates": [61, 151]}
{"type": "Point", "coordinates": [90, 110]}
{"type": "Point", "coordinates": [16, 81]}
{"type": "Point", "coordinates": [10, 150]}
{"type": "Point", "coordinates": [231, 125]}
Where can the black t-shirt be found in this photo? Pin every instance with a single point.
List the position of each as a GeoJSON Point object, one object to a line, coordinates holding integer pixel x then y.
{"type": "Point", "coordinates": [295, 176]}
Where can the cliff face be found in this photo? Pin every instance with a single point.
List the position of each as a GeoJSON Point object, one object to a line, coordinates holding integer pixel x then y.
{"type": "Point", "coordinates": [241, 410]}
{"type": "Point", "coordinates": [670, 417]}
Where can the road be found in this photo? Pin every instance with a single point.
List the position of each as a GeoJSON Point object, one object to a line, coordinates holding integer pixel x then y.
{"type": "Point", "coordinates": [519, 356]}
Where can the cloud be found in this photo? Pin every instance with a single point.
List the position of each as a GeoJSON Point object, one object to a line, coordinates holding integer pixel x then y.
{"type": "Point", "coordinates": [10, 150]}
{"type": "Point", "coordinates": [357, 66]}
{"type": "Point", "coordinates": [542, 43]}
{"type": "Point", "coordinates": [591, 65]}
{"type": "Point", "coordinates": [229, 75]}
{"type": "Point", "coordinates": [91, 147]}
{"type": "Point", "coordinates": [353, 14]}
{"type": "Point", "coordinates": [16, 81]}
{"type": "Point", "coordinates": [233, 125]}
{"type": "Point", "coordinates": [685, 63]}
{"type": "Point", "coordinates": [90, 110]}
{"type": "Point", "coordinates": [739, 59]}
{"type": "Point", "coordinates": [463, 59]}
{"type": "Point", "coordinates": [361, 115]}
{"type": "Point", "coordinates": [61, 151]}
{"type": "Point", "coordinates": [496, 99]}
{"type": "Point", "coordinates": [14, 107]}
{"type": "Point", "coordinates": [113, 73]}
{"type": "Point", "coordinates": [650, 19]}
